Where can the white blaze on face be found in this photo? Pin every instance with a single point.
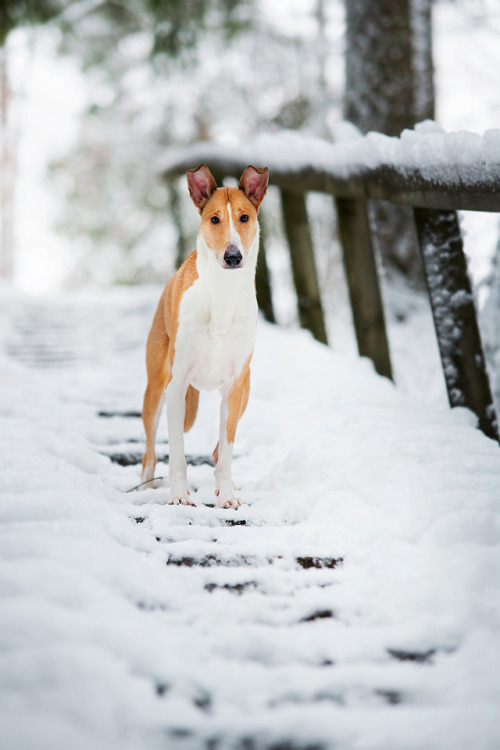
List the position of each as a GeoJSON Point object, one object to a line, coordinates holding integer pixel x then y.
{"type": "Point", "coordinates": [234, 237]}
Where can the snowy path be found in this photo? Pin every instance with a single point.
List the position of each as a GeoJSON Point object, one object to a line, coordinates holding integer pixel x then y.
{"type": "Point", "coordinates": [352, 602]}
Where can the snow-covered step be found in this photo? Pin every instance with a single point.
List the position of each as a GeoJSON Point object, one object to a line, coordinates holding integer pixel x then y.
{"type": "Point", "coordinates": [123, 455]}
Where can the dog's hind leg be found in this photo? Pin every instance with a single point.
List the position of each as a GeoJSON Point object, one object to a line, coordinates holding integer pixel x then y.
{"type": "Point", "coordinates": [192, 396]}
{"type": "Point", "coordinates": [154, 398]}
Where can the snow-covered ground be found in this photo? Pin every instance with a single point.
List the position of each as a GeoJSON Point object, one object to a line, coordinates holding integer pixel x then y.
{"type": "Point", "coordinates": [352, 602]}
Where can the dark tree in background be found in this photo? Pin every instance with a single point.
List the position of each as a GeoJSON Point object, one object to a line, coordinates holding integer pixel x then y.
{"type": "Point", "coordinates": [423, 63]}
{"type": "Point", "coordinates": [389, 87]}
{"type": "Point", "coordinates": [389, 73]}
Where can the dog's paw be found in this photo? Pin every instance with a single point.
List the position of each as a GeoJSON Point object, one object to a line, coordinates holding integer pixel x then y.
{"type": "Point", "coordinates": [232, 503]}
{"type": "Point", "coordinates": [180, 498]}
{"type": "Point", "coordinates": [227, 501]}
{"type": "Point", "coordinates": [147, 477]}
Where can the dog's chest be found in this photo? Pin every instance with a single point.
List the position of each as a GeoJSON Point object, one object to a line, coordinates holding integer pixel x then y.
{"type": "Point", "coordinates": [215, 336]}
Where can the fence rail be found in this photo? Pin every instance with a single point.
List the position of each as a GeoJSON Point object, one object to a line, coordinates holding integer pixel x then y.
{"type": "Point", "coordinates": [443, 185]}
{"type": "Point", "coordinates": [435, 192]}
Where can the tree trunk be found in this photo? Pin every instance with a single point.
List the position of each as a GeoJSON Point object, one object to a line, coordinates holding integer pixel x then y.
{"type": "Point", "coordinates": [380, 82]}
{"type": "Point", "coordinates": [423, 66]}
{"type": "Point", "coordinates": [389, 87]}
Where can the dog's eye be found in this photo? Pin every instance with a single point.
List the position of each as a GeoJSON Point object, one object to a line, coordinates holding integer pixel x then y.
{"type": "Point", "coordinates": [244, 218]}
{"type": "Point", "coordinates": [214, 219]}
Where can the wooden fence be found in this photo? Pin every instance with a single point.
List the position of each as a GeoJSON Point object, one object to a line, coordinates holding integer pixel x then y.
{"type": "Point", "coordinates": [435, 201]}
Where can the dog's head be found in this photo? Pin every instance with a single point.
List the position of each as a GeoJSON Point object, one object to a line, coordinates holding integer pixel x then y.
{"type": "Point", "coordinates": [228, 215]}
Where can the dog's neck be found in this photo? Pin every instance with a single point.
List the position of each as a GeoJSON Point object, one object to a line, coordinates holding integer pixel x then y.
{"type": "Point", "coordinates": [230, 292]}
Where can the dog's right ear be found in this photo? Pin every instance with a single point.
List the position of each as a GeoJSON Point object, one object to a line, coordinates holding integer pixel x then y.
{"type": "Point", "coordinates": [201, 185]}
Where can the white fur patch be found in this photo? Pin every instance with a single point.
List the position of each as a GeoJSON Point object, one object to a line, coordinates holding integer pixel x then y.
{"type": "Point", "coordinates": [234, 237]}
{"type": "Point", "coordinates": [217, 322]}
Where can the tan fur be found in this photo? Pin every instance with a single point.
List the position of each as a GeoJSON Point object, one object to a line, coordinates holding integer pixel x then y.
{"type": "Point", "coordinates": [237, 403]}
{"type": "Point", "coordinates": [160, 351]}
{"type": "Point", "coordinates": [217, 235]}
{"type": "Point", "coordinates": [192, 397]}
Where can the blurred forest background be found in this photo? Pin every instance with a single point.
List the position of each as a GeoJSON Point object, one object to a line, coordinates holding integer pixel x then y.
{"type": "Point", "coordinates": [118, 82]}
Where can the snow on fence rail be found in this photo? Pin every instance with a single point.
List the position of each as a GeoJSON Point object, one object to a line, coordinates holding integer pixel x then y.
{"type": "Point", "coordinates": [424, 167]}
{"type": "Point", "coordinates": [434, 172]}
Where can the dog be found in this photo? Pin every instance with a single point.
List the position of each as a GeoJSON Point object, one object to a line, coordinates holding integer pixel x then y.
{"type": "Point", "coordinates": [203, 331]}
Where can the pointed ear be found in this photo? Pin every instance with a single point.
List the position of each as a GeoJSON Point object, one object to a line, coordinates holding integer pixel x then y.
{"type": "Point", "coordinates": [253, 182]}
{"type": "Point", "coordinates": [201, 185]}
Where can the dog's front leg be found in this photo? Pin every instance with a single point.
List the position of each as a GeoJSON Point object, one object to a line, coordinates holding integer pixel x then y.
{"type": "Point", "coordinates": [176, 404]}
{"type": "Point", "coordinates": [223, 483]}
{"type": "Point", "coordinates": [232, 407]}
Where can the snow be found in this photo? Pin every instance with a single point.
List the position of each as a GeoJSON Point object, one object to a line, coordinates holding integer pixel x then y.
{"type": "Point", "coordinates": [104, 644]}
{"type": "Point", "coordinates": [461, 157]}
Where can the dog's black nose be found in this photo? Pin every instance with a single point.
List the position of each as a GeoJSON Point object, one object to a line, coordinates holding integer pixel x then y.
{"type": "Point", "coordinates": [232, 256]}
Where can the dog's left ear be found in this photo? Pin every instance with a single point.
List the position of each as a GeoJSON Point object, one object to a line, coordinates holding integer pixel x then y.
{"type": "Point", "coordinates": [201, 185]}
{"type": "Point", "coordinates": [253, 182]}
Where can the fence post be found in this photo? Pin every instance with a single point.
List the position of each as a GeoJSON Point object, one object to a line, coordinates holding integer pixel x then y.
{"type": "Point", "coordinates": [174, 200]}
{"type": "Point", "coordinates": [262, 277]}
{"type": "Point", "coordinates": [303, 267]}
{"type": "Point", "coordinates": [454, 315]}
{"type": "Point", "coordinates": [363, 283]}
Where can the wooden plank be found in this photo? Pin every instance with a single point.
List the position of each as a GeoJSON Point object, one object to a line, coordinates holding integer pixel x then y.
{"type": "Point", "coordinates": [174, 200]}
{"type": "Point", "coordinates": [363, 283]}
{"type": "Point", "coordinates": [445, 189]}
{"type": "Point", "coordinates": [455, 316]}
{"type": "Point", "coordinates": [303, 266]}
{"type": "Point", "coordinates": [263, 277]}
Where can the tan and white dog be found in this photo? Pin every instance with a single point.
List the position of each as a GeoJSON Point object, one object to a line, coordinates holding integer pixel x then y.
{"type": "Point", "coordinates": [203, 332]}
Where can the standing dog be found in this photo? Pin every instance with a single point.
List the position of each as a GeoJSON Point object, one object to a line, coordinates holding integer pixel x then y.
{"type": "Point", "coordinates": [203, 332]}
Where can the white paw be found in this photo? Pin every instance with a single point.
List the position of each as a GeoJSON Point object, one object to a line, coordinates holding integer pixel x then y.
{"type": "Point", "coordinates": [147, 476]}
{"type": "Point", "coordinates": [227, 501]}
{"type": "Point", "coordinates": [180, 498]}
